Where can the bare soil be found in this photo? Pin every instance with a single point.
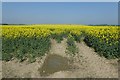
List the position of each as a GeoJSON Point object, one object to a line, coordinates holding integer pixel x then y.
{"type": "Point", "coordinates": [86, 64]}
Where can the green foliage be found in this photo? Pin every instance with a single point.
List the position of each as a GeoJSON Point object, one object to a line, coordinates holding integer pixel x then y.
{"type": "Point", "coordinates": [57, 37]}
{"type": "Point", "coordinates": [108, 49]}
{"type": "Point", "coordinates": [23, 48]}
{"type": "Point", "coordinates": [71, 47]}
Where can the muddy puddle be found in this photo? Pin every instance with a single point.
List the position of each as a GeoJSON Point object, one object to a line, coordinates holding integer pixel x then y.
{"type": "Point", "coordinates": [54, 63]}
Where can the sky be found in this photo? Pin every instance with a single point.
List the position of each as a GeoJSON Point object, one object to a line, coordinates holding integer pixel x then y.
{"type": "Point", "coordinates": [60, 0]}
{"type": "Point", "coordinates": [60, 13]}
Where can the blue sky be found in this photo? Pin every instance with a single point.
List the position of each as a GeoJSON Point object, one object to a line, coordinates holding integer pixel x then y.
{"type": "Point", "coordinates": [60, 12]}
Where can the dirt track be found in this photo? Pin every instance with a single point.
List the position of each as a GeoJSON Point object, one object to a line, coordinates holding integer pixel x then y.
{"type": "Point", "coordinates": [88, 64]}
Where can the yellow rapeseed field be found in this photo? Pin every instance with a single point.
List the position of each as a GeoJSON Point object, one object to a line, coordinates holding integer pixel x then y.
{"type": "Point", "coordinates": [45, 30]}
{"type": "Point", "coordinates": [102, 38]}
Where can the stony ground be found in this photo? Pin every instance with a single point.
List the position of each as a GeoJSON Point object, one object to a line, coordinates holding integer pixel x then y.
{"type": "Point", "coordinates": [87, 64]}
